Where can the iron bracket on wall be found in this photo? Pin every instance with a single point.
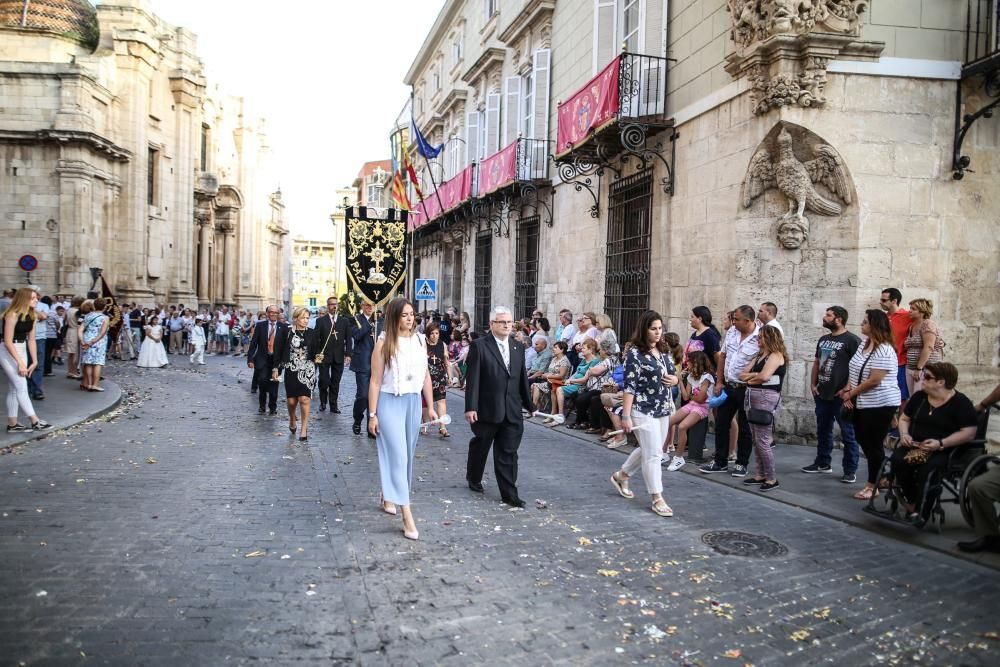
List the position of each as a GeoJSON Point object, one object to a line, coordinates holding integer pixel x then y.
{"type": "Point", "coordinates": [581, 175]}
{"type": "Point", "coordinates": [528, 196]}
{"type": "Point", "coordinates": [991, 86]}
{"type": "Point", "coordinates": [634, 138]}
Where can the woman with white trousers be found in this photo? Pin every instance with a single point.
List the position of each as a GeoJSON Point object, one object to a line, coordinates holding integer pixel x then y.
{"type": "Point", "coordinates": [18, 341]}
{"type": "Point", "coordinates": [647, 404]}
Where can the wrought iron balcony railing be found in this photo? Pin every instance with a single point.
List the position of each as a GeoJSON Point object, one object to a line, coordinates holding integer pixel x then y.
{"type": "Point", "coordinates": [630, 92]}
{"type": "Point", "coordinates": [982, 34]}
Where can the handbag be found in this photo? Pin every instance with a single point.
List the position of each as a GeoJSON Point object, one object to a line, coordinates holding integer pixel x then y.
{"type": "Point", "coordinates": [760, 417]}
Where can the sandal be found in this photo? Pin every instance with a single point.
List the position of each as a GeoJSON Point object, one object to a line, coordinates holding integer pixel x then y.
{"type": "Point", "coordinates": [866, 493]}
{"type": "Point", "coordinates": [619, 485]}
{"type": "Point", "coordinates": [443, 432]}
{"type": "Point", "coordinates": [662, 508]}
{"type": "Point", "coordinates": [592, 431]}
{"type": "Point", "coordinates": [423, 430]}
{"type": "Point", "coordinates": [616, 442]}
{"type": "Point", "coordinates": [605, 437]}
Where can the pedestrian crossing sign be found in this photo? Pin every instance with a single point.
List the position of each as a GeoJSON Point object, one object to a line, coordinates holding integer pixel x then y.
{"type": "Point", "coordinates": [426, 289]}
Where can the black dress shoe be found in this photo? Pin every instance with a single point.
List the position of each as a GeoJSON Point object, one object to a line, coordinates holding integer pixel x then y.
{"type": "Point", "coordinates": [260, 411]}
{"type": "Point", "coordinates": [334, 409]}
{"type": "Point", "coordinates": [985, 543]}
{"type": "Point", "coordinates": [514, 502]}
{"type": "Point", "coordinates": [356, 428]}
{"type": "Point", "coordinates": [476, 486]}
{"type": "Point", "coordinates": [322, 407]}
{"type": "Point", "coordinates": [272, 412]}
{"type": "Point", "coordinates": [253, 390]}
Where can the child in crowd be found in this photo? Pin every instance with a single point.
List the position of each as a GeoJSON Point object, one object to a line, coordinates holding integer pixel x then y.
{"type": "Point", "coordinates": [696, 390]}
{"type": "Point", "coordinates": [197, 338]}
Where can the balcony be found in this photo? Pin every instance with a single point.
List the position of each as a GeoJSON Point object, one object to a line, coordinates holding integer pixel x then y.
{"type": "Point", "coordinates": [981, 69]}
{"type": "Point", "coordinates": [449, 197]}
{"type": "Point", "coordinates": [628, 98]}
{"type": "Point", "coordinates": [523, 161]}
{"type": "Point", "coordinates": [612, 119]}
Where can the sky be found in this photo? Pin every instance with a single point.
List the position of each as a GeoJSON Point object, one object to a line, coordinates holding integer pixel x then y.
{"type": "Point", "coordinates": [326, 74]}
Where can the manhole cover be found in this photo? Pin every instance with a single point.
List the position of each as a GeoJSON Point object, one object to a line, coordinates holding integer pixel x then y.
{"type": "Point", "coordinates": [732, 543]}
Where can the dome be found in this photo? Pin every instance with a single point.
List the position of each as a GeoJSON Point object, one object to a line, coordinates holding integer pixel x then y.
{"type": "Point", "coordinates": [73, 19]}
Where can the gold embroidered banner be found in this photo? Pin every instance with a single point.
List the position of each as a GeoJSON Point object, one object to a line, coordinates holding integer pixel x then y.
{"type": "Point", "coordinates": [376, 252]}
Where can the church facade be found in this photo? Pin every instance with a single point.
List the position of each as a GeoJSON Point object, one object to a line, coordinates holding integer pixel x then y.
{"type": "Point", "coordinates": [116, 153]}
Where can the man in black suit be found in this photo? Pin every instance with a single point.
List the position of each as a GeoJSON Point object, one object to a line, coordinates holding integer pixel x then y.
{"type": "Point", "coordinates": [261, 357]}
{"type": "Point", "coordinates": [365, 330]}
{"type": "Point", "coordinates": [334, 334]}
{"type": "Point", "coordinates": [496, 388]}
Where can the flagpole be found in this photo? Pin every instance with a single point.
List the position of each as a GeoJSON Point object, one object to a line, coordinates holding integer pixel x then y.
{"type": "Point", "coordinates": [430, 171]}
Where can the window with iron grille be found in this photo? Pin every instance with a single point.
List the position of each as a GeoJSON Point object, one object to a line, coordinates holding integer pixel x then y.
{"type": "Point", "coordinates": [484, 280]}
{"type": "Point", "coordinates": [526, 267]}
{"type": "Point", "coordinates": [626, 281]}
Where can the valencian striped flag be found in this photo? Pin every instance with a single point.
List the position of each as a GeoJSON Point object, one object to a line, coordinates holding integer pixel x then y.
{"type": "Point", "coordinates": [401, 170]}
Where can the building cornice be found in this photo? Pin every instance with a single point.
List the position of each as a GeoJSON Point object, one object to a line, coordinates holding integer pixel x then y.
{"type": "Point", "coordinates": [93, 141]}
{"type": "Point", "coordinates": [533, 13]}
{"type": "Point", "coordinates": [454, 97]}
{"type": "Point", "coordinates": [490, 56]}
{"type": "Point", "coordinates": [441, 24]}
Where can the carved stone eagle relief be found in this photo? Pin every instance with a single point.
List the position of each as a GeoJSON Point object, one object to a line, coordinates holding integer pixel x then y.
{"type": "Point", "coordinates": [796, 180]}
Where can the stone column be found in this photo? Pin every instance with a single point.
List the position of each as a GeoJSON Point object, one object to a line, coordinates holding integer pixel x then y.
{"type": "Point", "coordinates": [205, 240]}
{"type": "Point", "coordinates": [188, 89]}
{"type": "Point", "coordinates": [228, 264]}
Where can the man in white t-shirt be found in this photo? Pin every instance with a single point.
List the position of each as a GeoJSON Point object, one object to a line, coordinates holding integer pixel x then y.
{"type": "Point", "coordinates": [767, 315]}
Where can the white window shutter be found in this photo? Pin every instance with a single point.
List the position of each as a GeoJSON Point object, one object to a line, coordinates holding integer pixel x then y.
{"type": "Point", "coordinates": [512, 109]}
{"type": "Point", "coordinates": [540, 113]}
{"type": "Point", "coordinates": [541, 76]}
{"type": "Point", "coordinates": [492, 123]}
{"type": "Point", "coordinates": [471, 137]}
{"type": "Point", "coordinates": [653, 36]}
{"type": "Point", "coordinates": [605, 32]}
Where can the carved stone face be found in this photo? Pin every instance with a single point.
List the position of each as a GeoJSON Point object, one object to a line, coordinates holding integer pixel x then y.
{"type": "Point", "coordinates": [792, 234]}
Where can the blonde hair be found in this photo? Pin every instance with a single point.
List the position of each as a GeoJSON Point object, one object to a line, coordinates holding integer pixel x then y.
{"type": "Point", "coordinates": [603, 321]}
{"type": "Point", "coordinates": [20, 304]}
{"type": "Point", "coordinates": [771, 340]}
{"type": "Point", "coordinates": [923, 306]}
{"type": "Point", "coordinates": [299, 312]}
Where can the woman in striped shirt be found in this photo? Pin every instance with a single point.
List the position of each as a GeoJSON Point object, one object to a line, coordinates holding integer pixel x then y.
{"type": "Point", "coordinates": [873, 393]}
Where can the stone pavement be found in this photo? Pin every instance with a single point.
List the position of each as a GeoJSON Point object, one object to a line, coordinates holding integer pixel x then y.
{"type": "Point", "coordinates": [187, 529]}
{"type": "Point", "coordinates": [64, 405]}
{"type": "Point", "coordinates": [825, 494]}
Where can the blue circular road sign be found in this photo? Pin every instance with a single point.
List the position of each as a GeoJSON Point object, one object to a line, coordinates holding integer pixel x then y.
{"type": "Point", "coordinates": [28, 263]}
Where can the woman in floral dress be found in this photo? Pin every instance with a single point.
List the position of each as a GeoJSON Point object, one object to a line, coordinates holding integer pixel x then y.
{"type": "Point", "coordinates": [297, 353]}
{"type": "Point", "coordinates": [93, 343]}
{"type": "Point", "coordinates": [437, 364]}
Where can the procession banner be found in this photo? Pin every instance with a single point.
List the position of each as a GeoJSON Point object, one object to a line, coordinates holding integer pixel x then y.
{"type": "Point", "coordinates": [452, 193]}
{"type": "Point", "coordinates": [376, 252]}
{"type": "Point", "coordinates": [590, 109]}
{"type": "Point", "coordinates": [498, 170]}
{"type": "Point", "coordinates": [113, 309]}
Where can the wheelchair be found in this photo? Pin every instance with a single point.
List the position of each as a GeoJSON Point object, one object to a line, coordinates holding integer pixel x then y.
{"type": "Point", "coordinates": [947, 484]}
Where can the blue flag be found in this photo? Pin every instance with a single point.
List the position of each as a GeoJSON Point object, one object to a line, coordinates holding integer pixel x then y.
{"type": "Point", "coordinates": [425, 149]}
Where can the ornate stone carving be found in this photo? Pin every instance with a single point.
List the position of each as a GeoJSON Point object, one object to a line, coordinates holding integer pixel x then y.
{"type": "Point", "coordinates": [784, 47]}
{"type": "Point", "coordinates": [756, 20]}
{"type": "Point", "coordinates": [797, 178]}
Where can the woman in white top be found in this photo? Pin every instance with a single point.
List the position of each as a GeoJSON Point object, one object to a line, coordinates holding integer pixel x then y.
{"type": "Point", "coordinates": [873, 393]}
{"type": "Point", "coordinates": [399, 376]}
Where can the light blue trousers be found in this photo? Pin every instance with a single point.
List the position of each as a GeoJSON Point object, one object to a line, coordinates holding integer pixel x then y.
{"type": "Point", "coordinates": [398, 429]}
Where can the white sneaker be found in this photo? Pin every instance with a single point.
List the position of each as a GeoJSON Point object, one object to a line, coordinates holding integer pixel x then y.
{"type": "Point", "coordinates": [676, 464]}
{"type": "Point", "coordinates": [664, 457]}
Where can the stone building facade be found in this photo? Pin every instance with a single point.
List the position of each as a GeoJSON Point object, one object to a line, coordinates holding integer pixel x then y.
{"type": "Point", "coordinates": [115, 154]}
{"type": "Point", "coordinates": [676, 201]}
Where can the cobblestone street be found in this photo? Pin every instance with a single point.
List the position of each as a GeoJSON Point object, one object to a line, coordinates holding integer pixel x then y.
{"type": "Point", "coordinates": [183, 528]}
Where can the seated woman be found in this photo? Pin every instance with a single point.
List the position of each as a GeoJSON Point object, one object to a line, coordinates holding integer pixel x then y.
{"type": "Point", "coordinates": [569, 390]}
{"type": "Point", "coordinates": [555, 375]}
{"type": "Point", "coordinates": [593, 387]}
{"type": "Point", "coordinates": [936, 419]}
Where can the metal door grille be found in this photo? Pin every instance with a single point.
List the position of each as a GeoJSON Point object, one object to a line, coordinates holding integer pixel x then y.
{"type": "Point", "coordinates": [626, 282]}
{"type": "Point", "coordinates": [484, 280]}
{"type": "Point", "coordinates": [526, 267]}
